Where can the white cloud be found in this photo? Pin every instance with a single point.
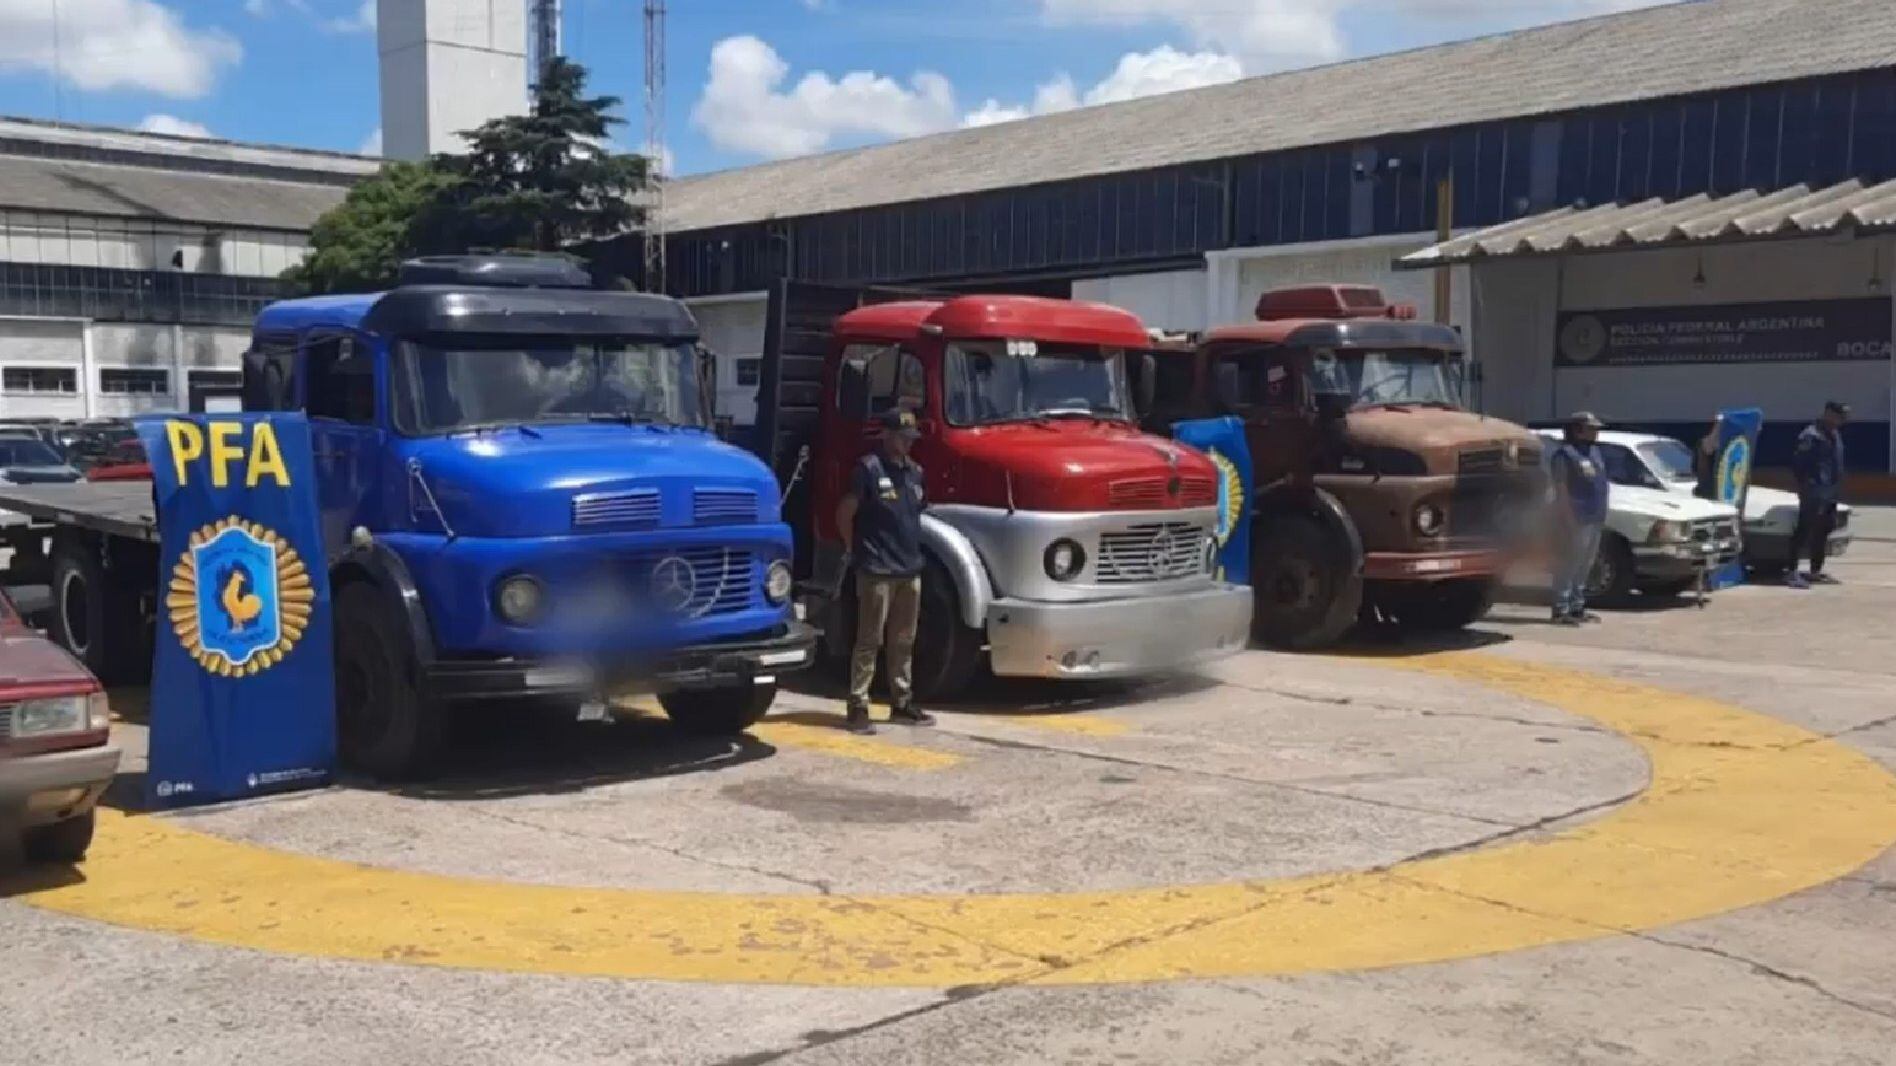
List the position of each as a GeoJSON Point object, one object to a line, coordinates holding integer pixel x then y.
{"type": "Point", "coordinates": [173, 125]}
{"type": "Point", "coordinates": [256, 8]}
{"type": "Point", "coordinates": [746, 106]}
{"type": "Point", "coordinates": [372, 144]}
{"type": "Point", "coordinates": [1164, 69]}
{"type": "Point", "coordinates": [115, 44]}
{"type": "Point", "coordinates": [361, 21]}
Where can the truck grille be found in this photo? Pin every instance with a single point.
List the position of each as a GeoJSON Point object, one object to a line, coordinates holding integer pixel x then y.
{"type": "Point", "coordinates": [711, 507]}
{"type": "Point", "coordinates": [6, 723]}
{"type": "Point", "coordinates": [1707, 530]}
{"type": "Point", "coordinates": [639, 507]}
{"type": "Point", "coordinates": [1157, 551]}
{"type": "Point", "coordinates": [720, 580]}
{"type": "Point", "coordinates": [1481, 461]}
{"type": "Point", "coordinates": [1151, 493]}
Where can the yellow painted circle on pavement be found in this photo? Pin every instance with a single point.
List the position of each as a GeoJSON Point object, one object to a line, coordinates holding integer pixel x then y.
{"type": "Point", "coordinates": [1742, 809]}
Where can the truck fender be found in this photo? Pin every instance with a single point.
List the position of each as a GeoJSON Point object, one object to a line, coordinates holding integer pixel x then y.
{"type": "Point", "coordinates": [1313, 502]}
{"type": "Point", "coordinates": [947, 546]}
{"type": "Point", "coordinates": [379, 566]}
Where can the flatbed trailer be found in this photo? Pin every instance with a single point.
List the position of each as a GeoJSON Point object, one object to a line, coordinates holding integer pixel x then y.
{"type": "Point", "coordinates": [95, 545]}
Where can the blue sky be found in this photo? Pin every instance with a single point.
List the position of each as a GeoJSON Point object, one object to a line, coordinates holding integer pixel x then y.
{"type": "Point", "coordinates": [749, 79]}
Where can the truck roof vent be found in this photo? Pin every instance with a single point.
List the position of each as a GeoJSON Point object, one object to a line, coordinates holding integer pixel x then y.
{"type": "Point", "coordinates": [1329, 301]}
{"type": "Point", "coordinates": [496, 271]}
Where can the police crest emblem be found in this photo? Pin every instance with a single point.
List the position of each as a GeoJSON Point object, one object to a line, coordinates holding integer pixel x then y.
{"type": "Point", "coordinates": [239, 598]}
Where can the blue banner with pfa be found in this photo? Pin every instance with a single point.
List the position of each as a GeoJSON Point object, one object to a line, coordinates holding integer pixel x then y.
{"type": "Point", "coordinates": [1222, 439]}
{"type": "Point", "coordinates": [1736, 443]}
{"type": "Point", "coordinates": [243, 681]}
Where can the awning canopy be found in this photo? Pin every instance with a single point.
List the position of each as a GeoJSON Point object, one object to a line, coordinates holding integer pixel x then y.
{"type": "Point", "coordinates": [1751, 215]}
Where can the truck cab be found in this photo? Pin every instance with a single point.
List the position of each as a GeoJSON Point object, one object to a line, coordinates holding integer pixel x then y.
{"type": "Point", "coordinates": [520, 497]}
{"type": "Point", "coordinates": [1375, 483]}
{"type": "Point", "coordinates": [1056, 530]}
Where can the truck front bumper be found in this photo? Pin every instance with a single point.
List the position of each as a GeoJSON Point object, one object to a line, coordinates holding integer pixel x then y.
{"type": "Point", "coordinates": [1671, 562]}
{"type": "Point", "coordinates": [739, 662]}
{"type": "Point", "coordinates": [43, 789]}
{"type": "Point", "coordinates": [1433, 566]}
{"type": "Point", "coordinates": [1118, 638]}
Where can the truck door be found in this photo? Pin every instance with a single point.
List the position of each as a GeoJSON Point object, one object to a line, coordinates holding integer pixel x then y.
{"type": "Point", "coordinates": [871, 379]}
{"type": "Point", "coordinates": [338, 390]}
{"type": "Point", "coordinates": [1264, 387]}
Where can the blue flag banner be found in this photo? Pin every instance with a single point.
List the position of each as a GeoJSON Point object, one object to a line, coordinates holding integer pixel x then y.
{"type": "Point", "coordinates": [1222, 439]}
{"type": "Point", "coordinates": [1731, 474]}
{"type": "Point", "coordinates": [243, 681]}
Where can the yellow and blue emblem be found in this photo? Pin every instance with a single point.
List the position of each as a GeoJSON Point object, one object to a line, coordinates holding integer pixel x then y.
{"type": "Point", "coordinates": [240, 598]}
{"type": "Point", "coordinates": [1734, 469]}
{"type": "Point", "coordinates": [1230, 495]}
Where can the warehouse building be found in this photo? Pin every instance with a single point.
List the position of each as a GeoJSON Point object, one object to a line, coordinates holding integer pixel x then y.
{"type": "Point", "coordinates": [131, 264]}
{"type": "Point", "coordinates": [1184, 207]}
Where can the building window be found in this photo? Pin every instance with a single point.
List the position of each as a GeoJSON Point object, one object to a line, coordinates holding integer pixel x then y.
{"type": "Point", "coordinates": [749, 372]}
{"type": "Point", "coordinates": [127, 381]}
{"type": "Point", "coordinates": [215, 379]}
{"type": "Point", "coordinates": [40, 380]}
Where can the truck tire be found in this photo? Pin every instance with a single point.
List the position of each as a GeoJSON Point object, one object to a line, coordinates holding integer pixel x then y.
{"type": "Point", "coordinates": [66, 841]}
{"type": "Point", "coordinates": [386, 726]}
{"type": "Point", "coordinates": [724, 711]}
{"type": "Point", "coordinates": [96, 618]}
{"type": "Point", "coordinates": [1611, 581]}
{"type": "Point", "coordinates": [947, 653]}
{"type": "Point", "coordinates": [1308, 593]}
{"type": "Point", "coordinates": [1446, 606]}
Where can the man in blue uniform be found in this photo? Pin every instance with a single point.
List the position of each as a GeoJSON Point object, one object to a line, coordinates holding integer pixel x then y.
{"type": "Point", "coordinates": [1580, 490]}
{"type": "Point", "coordinates": [880, 519]}
{"type": "Point", "coordinates": [1818, 466]}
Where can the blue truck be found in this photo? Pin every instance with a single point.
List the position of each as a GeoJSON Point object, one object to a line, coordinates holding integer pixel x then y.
{"type": "Point", "coordinates": [521, 498]}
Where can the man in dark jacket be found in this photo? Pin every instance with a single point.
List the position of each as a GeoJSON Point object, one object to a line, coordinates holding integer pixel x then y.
{"type": "Point", "coordinates": [1818, 466]}
{"type": "Point", "coordinates": [1580, 499]}
{"type": "Point", "coordinates": [880, 519]}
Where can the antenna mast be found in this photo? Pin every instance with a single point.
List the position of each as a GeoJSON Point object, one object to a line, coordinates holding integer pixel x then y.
{"type": "Point", "coordinates": [545, 16]}
{"type": "Point", "coordinates": [655, 144]}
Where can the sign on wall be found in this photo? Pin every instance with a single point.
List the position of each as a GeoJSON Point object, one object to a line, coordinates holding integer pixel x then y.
{"type": "Point", "coordinates": [242, 691]}
{"type": "Point", "coordinates": [1798, 331]}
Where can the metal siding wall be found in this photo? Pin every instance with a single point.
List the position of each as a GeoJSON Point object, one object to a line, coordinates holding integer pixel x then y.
{"type": "Point", "coordinates": [1817, 131]}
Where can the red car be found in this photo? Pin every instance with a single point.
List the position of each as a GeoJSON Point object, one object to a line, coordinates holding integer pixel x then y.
{"type": "Point", "coordinates": [125, 462]}
{"type": "Point", "coordinates": [56, 758]}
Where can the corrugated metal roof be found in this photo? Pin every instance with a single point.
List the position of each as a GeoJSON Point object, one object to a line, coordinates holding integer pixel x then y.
{"type": "Point", "coordinates": [1662, 51]}
{"type": "Point", "coordinates": [157, 193]}
{"type": "Point", "coordinates": [1798, 211]}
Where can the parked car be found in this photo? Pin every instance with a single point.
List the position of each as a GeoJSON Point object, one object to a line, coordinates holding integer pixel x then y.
{"type": "Point", "coordinates": [1658, 537]}
{"type": "Point", "coordinates": [31, 461]}
{"type": "Point", "coordinates": [39, 429]}
{"type": "Point", "coordinates": [56, 756]}
{"type": "Point", "coordinates": [85, 443]}
{"type": "Point", "coordinates": [125, 462]}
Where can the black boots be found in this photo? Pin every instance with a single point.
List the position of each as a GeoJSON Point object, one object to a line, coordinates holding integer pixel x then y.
{"type": "Point", "coordinates": [909, 714]}
{"type": "Point", "coordinates": [856, 720]}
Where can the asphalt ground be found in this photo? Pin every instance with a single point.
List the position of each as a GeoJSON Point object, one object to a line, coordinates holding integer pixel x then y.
{"type": "Point", "coordinates": [1661, 839]}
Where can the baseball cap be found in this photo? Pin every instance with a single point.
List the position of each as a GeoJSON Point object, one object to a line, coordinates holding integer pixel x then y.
{"type": "Point", "coordinates": [1585, 418]}
{"type": "Point", "coordinates": [1837, 407]}
{"type": "Point", "coordinates": [899, 420]}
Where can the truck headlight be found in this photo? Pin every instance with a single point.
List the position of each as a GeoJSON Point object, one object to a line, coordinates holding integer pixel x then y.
{"type": "Point", "coordinates": [1664, 532]}
{"type": "Point", "coordinates": [1428, 519]}
{"type": "Point", "coordinates": [1065, 559]}
{"type": "Point", "coordinates": [52, 715]}
{"type": "Point", "coordinates": [778, 583]}
{"type": "Point", "coordinates": [518, 599]}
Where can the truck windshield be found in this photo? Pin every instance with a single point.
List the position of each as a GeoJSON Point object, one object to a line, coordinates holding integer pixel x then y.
{"type": "Point", "coordinates": [475, 383]}
{"type": "Point", "coordinates": [1397, 376]}
{"type": "Point", "coordinates": [1015, 381]}
{"type": "Point", "coordinates": [1669, 459]}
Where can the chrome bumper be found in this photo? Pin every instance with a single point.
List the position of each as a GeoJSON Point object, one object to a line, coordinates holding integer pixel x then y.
{"type": "Point", "coordinates": [1683, 559]}
{"type": "Point", "coordinates": [1118, 638]}
{"type": "Point", "coordinates": [42, 789]}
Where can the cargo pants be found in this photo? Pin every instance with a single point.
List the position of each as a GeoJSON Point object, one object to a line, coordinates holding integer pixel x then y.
{"type": "Point", "coordinates": [891, 607]}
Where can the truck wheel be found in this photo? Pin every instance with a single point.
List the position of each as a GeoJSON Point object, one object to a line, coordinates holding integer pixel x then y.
{"type": "Point", "coordinates": [95, 619]}
{"type": "Point", "coordinates": [1446, 606]}
{"type": "Point", "coordinates": [1611, 582]}
{"type": "Point", "coordinates": [947, 653]}
{"type": "Point", "coordinates": [65, 841]}
{"type": "Point", "coordinates": [724, 711]}
{"type": "Point", "coordinates": [385, 724]}
{"type": "Point", "coordinates": [1306, 592]}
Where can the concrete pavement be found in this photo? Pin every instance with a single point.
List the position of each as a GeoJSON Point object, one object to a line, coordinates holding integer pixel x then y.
{"type": "Point", "coordinates": [1273, 768]}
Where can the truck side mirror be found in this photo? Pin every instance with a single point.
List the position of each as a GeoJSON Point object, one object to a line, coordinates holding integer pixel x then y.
{"type": "Point", "coordinates": [707, 385]}
{"type": "Point", "coordinates": [1145, 383]}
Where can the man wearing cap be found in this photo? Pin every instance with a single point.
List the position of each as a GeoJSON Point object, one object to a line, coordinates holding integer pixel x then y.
{"type": "Point", "coordinates": [1818, 466]}
{"type": "Point", "coordinates": [880, 519]}
{"type": "Point", "coordinates": [1580, 492]}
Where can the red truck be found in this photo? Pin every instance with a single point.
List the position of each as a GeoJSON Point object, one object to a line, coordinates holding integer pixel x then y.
{"type": "Point", "coordinates": [1062, 541]}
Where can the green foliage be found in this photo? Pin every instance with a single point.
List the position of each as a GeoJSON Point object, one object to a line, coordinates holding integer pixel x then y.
{"type": "Point", "coordinates": [542, 181]}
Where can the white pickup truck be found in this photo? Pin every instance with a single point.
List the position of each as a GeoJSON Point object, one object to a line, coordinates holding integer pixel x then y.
{"type": "Point", "coordinates": [1659, 536]}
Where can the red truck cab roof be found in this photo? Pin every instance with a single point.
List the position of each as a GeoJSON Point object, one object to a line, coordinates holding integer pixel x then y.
{"type": "Point", "coordinates": [997, 318]}
{"type": "Point", "coordinates": [1282, 312]}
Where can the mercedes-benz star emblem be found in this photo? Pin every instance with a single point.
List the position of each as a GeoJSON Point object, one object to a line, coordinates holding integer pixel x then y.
{"type": "Point", "coordinates": [1164, 549]}
{"type": "Point", "coordinates": [674, 585]}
